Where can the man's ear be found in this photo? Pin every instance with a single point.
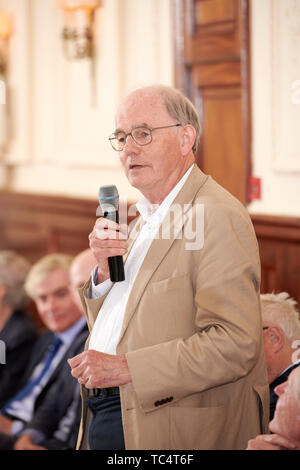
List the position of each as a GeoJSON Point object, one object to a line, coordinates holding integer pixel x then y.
{"type": "Point", "coordinates": [276, 338]}
{"type": "Point", "coordinates": [188, 137]}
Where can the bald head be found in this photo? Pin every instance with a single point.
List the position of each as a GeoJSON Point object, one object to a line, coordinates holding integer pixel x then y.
{"type": "Point", "coordinates": [82, 267]}
{"type": "Point", "coordinates": [155, 167]}
{"type": "Point", "coordinates": [80, 271]}
{"type": "Point", "coordinates": [178, 106]}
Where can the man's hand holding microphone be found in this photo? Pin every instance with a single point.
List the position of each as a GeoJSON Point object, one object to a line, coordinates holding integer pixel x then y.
{"type": "Point", "coordinates": [109, 243]}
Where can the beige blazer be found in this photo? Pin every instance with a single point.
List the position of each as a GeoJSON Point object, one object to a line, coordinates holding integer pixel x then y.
{"type": "Point", "coordinates": [192, 332]}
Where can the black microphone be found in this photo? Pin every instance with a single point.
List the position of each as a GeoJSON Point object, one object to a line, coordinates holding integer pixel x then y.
{"type": "Point", "coordinates": [109, 202]}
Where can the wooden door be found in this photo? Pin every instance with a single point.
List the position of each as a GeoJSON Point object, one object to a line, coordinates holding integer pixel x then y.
{"type": "Point", "coordinates": [212, 68]}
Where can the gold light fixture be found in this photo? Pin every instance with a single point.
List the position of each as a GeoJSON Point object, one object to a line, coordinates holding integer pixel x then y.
{"type": "Point", "coordinates": [78, 29]}
{"type": "Point", "coordinates": [5, 33]}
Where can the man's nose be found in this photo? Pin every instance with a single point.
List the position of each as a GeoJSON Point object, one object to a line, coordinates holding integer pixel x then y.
{"type": "Point", "coordinates": [129, 144]}
{"type": "Point", "coordinates": [280, 389]}
{"type": "Point", "coordinates": [52, 303]}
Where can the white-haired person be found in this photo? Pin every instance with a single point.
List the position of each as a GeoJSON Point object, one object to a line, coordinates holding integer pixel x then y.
{"type": "Point", "coordinates": [18, 331]}
{"type": "Point", "coordinates": [285, 426]}
{"type": "Point", "coordinates": [281, 333]}
{"type": "Point", "coordinates": [64, 437]}
{"type": "Point", "coordinates": [30, 417]}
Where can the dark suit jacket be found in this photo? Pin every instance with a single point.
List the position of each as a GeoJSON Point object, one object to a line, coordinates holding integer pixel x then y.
{"type": "Point", "coordinates": [279, 380]}
{"type": "Point", "coordinates": [19, 335]}
{"type": "Point", "coordinates": [55, 401]}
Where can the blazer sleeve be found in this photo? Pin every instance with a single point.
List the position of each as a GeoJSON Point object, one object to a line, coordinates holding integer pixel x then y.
{"type": "Point", "coordinates": [227, 325]}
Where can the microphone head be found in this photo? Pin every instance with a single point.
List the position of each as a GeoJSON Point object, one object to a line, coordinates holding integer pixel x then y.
{"type": "Point", "coordinates": [108, 197]}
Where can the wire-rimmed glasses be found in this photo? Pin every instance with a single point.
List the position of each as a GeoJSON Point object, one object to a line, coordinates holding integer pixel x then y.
{"type": "Point", "coordinates": [142, 135]}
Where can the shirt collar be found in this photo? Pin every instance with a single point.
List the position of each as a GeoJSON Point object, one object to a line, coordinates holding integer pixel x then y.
{"type": "Point", "coordinates": [147, 210]}
{"type": "Point", "coordinates": [289, 367]}
{"type": "Point", "coordinates": [68, 335]}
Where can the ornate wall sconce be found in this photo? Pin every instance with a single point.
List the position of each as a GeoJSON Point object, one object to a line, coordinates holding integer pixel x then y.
{"type": "Point", "coordinates": [5, 33]}
{"type": "Point", "coordinates": [78, 29]}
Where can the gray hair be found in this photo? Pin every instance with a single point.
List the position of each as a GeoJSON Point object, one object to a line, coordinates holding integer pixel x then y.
{"type": "Point", "coordinates": [180, 108]}
{"type": "Point", "coordinates": [281, 310]}
{"type": "Point", "coordinates": [13, 271]}
{"type": "Point", "coordinates": [43, 267]}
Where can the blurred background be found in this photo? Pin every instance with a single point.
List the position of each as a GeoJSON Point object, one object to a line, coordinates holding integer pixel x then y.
{"type": "Point", "coordinates": [66, 64]}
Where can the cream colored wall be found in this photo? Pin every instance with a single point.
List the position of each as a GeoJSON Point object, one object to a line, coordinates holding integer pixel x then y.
{"type": "Point", "coordinates": [59, 138]}
{"type": "Point", "coordinates": [58, 141]}
{"type": "Point", "coordinates": [275, 43]}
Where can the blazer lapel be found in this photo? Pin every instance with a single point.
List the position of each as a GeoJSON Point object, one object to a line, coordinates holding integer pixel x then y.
{"type": "Point", "coordinates": [160, 246]}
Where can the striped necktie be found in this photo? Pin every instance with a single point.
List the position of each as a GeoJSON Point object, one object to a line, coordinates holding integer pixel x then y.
{"type": "Point", "coordinates": [25, 391]}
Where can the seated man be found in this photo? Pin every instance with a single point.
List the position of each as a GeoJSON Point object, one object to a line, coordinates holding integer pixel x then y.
{"type": "Point", "coordinates": [48, 283]}
{"type": "Point", "coordinates": [281, 325]}
{"type": "Point", "coordinates": [17, 329]}
{"type": "Point", "coordinates": [64, 437]}
{"type": "Point", "coordinates": [285, 425]}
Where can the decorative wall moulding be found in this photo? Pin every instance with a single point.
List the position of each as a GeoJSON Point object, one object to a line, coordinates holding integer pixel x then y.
{"type": "Point", "coordinates": [285, 84]}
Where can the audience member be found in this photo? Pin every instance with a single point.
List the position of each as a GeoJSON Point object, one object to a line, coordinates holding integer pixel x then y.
{"type": "Point", "coordinates": [285, 426]}
{"type": "Point", "coordinates": [65, 436]}
{"type": "Point", "coordinates": [281, 325]}
{"type": "Point", "coordinates": [35, 411]}
{"type": "Point", "coordinates": [18, 332]}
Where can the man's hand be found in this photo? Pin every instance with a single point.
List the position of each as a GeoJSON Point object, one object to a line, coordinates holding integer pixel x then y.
{"type": "Point", "coordinates": [95, 369]}
{"type": "Point", "coordinates": [107, 239]}
{"type": "Point", "coordinates": [270, 442]}
{"type": "Point", "coordinates": [25, 442]}
{"type": "Point", "coordinates": [5, 424]}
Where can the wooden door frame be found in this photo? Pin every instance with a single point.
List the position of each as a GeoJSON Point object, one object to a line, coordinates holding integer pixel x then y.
{"type": "Point", "coordinates": [182, 73]}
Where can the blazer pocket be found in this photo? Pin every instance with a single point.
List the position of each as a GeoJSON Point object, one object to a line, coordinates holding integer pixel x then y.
{"type": "Point", "coordinates": [197, 428]}
{"type": "Point", "coordinates": [167, 309]}
{"type": "Point", "coordinates": [171, 283]}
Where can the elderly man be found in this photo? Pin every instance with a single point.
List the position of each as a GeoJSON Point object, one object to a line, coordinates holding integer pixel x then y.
{"type": "Point", "coordinates": [175, 357]}
{"type": "Point", "coordinates": [285, 426]}
{"type": "Point", "coordinates": [31, 416]}
{"type": "Point", "coordinates": [281, 326]}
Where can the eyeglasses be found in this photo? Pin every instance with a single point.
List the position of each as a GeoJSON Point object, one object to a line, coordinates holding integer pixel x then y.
{"type": "Point", "coordinates": [142, 135]}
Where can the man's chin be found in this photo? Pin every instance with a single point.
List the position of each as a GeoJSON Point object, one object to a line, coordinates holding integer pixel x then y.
{"type": "Point", "coordinates": [55, 327]}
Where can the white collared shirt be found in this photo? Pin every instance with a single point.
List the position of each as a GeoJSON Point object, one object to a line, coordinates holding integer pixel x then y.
{"type": "Point", "coordinates": [107, 328]}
